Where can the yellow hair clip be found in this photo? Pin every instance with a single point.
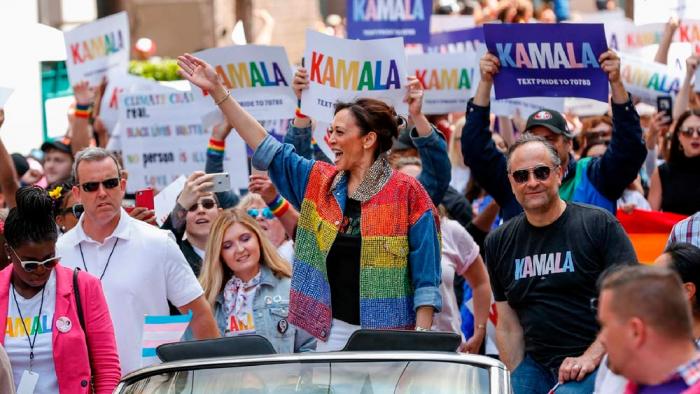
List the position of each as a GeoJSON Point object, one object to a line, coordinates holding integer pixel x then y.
{"type": "Point", "coordinates": [56, 192]}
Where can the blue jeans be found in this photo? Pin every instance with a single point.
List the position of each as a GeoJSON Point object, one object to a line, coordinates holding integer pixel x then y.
{"type": "Point", "coordinates": [530, 377]}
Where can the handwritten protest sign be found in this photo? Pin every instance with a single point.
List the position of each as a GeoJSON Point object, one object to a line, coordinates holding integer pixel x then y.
{"type": "Point", "coordinates": [258, 76]}
{"type": "Point", "coordinates": [548, 60]}
{"type": "Point", "coordinates": [660, 11]}
{"type": "Point", "coordinates": [4, 95]}
{"type": "Point", "coordinates": [448, 80]}
{"type": "Point", "coordinates": [647, 80]}
{"type": "Point", "coordinates": [525, 107]}
{"type": "Point", "coordinates": [162, 137]}
{"type": "Point", "coordinates": [97, 49]}
{"type": "Point", "coordinates": [370, 19]}
{"type": "Point", "coordinates": [343, 70]}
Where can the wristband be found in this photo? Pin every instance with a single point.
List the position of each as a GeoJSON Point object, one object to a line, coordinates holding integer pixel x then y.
{"type": "Point", "coordinates": [216, 147]}
{"type": "Point", "coordinates": [82, 111]}
{"type": "Point", "coordinates": [298, 114]}
{"type": "Point", "coordinates": [279, 206]}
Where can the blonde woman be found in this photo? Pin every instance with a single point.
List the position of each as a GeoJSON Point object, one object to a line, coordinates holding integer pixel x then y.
{"type": "Point", "coordinates": [247, 283]}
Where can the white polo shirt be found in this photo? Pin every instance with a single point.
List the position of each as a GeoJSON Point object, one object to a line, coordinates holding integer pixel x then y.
{"type": "Point", "coordinates": [146, 270]}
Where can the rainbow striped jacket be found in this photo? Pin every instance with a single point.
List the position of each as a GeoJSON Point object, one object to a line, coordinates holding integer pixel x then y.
{"type": "Point", "coordinates": [400, 257]}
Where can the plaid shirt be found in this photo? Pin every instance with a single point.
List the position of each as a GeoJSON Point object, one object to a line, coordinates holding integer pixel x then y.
{"type": "Point", "coordinates": [689, 372]}
{"type": "Point", "coordinates": [687, 230]}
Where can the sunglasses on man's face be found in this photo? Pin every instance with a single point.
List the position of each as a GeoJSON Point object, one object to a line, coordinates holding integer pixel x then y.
{"type": "Point", "coordinates": [93, 186]}
{"type": "Point", "coordinates": [31, 265]}
{"type": "Point", "coordinates": [265, 212]}
{"type": "Point", "coordinates": [206, 204]}
{"type": "Point", "coordinates": [541, 173]}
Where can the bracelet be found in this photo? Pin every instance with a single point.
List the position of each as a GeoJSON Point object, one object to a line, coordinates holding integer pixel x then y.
{"type": "Point", "coordinates": [216, 147]}
{"type": "Point", "coordinates": [279, 206]}
{"type": "Point", "coordinates": [228, 94]}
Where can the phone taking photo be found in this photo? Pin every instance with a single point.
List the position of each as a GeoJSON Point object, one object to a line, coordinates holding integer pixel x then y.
{"type": "Point", "coordinates": [221, 181]}
{"type": "Point", "coordinates": [664, 104]}
{"type": "Point", "coordinates": [144, 199]}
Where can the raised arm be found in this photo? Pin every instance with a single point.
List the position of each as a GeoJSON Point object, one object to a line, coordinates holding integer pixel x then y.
{"type": "Point", "coordinates": [80, 127]}
{"type": "Point", "coordinates": [215, 161]}
{"type": "Point", "coordinates": [487, 164]}
{"type": "Point", "coordinates": [8, 174]}
{"type": "Point", "coordinates": [623, 159]}
{"type": "Point", "coordinates": [681, 105]}
{"type": "Point", "coordinates": [665, 44]}
{"type": "Point", "coordinates": [289, 171]}
{"type": "Point", "coordinates": [299, 132]}
{"type": "Point", "coordinates": [436, 167]}
{"type": "Point", "coordinates": [204, 76]}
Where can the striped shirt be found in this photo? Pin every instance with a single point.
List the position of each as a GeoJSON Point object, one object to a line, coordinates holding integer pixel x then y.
{"type": "Point", "coordinates": [687, 230]}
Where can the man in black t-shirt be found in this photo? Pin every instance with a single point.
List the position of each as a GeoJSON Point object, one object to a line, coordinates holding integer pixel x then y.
{"type": "Point", "coordinates": [544, 264]}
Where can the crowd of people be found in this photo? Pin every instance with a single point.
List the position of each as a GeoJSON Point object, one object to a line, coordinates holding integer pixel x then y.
{"type": "Point", "coordinates": [411, 220]}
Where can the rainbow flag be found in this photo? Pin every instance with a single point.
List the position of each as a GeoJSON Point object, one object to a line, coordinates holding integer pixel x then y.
{"type": "Point", "coordinates": [648, 231]}
{"type": "Point", "coordinates": [158, 330]}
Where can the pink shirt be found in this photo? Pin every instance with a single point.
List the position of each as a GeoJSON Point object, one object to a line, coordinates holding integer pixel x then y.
{"type": "Point", "coordinates": [458, 253]}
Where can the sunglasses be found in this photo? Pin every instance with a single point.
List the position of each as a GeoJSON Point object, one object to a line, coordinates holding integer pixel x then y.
{"type": "Point", "coordinates": [206, 204]}
{"type": "Point", "coordinates": [541, 174]}
{"type": "Point", "coordinates": [77, 210]}
{"type": "Point", "coordinates": [690, 131]}
{"type": "Point", "coordinates": [93, 186]}
{"type": "Point", "coordinates": [30, 265]}
{"type": "Point", "coordinates": [265, 212]}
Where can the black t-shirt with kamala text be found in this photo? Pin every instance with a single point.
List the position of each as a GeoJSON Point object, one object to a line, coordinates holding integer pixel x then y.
{"type": "Point", "coordinates": [548, 276]}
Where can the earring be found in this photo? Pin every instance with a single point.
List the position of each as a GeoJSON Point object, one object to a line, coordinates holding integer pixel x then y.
{"type": "Point", "coordinates": [63, 229]}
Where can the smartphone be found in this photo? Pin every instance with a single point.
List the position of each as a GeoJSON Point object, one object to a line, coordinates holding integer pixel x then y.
{"type": "Point", "coordinates": [222, 182]}
{"type": "Point", "coordinates": [144, 198]}
{"type": "Point", "coordinates": [664, 104]}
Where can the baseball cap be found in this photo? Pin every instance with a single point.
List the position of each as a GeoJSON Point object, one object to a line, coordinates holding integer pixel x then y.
{"type": "Point", "coordinates": [21, 164]}
{"type": "Point", "coordinates": [550, 119]}
{"type": "Point", "coordinates": [62, 146]}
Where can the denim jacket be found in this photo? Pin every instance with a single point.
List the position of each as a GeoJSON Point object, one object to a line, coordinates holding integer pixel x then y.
{"type": "Point", "coordinates": [436, 171]}
{"type": "Point", "coordinates": [292, 174]}
{"type": "Point", "coordinates": [270, 313]}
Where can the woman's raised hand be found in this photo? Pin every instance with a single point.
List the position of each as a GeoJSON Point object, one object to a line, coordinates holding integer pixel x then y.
{"type": "Point", "coordinates": [198, 72]}
{"type": "Point", "coordinates": [300, 82]}
{"type": "Point", "coordinates": [414, 96]}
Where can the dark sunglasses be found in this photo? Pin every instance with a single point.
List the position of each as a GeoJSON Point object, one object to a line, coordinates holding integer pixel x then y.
{"type": "Point", "coordinates": [690, 131]}
{"type": "Point", "coordinates": [93, 186]}
{"type": "Point", "coordinates": [206, 204]}
{"type": "Point", "coordinates": [77, 210]}
{"type": "Point", "coordinates": [265, 212]}
{"type": "Point", "coordinates": [31, 265]}
{"type": "Point", "coordinates": [541, 174]}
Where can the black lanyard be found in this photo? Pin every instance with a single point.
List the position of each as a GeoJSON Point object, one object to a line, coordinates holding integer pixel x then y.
{"type": "Point", "coordinates": [32, 341]}
{"type": "Point", "coordinates": [80, 246]}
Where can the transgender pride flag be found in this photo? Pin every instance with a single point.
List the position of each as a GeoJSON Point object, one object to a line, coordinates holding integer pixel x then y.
{"type": "Point", "coordinates": [158, 330]}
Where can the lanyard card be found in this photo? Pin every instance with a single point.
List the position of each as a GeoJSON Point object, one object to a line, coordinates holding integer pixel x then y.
{"type": "Point", "coordinates": [27, 382]}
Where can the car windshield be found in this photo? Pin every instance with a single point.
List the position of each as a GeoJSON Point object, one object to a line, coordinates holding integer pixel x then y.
{"type": "Point", "coordinates": [367, 377]}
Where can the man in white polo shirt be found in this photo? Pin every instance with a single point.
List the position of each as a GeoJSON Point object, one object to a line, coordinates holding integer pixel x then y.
{"type": "Point", "coordinates": [140, 266]}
